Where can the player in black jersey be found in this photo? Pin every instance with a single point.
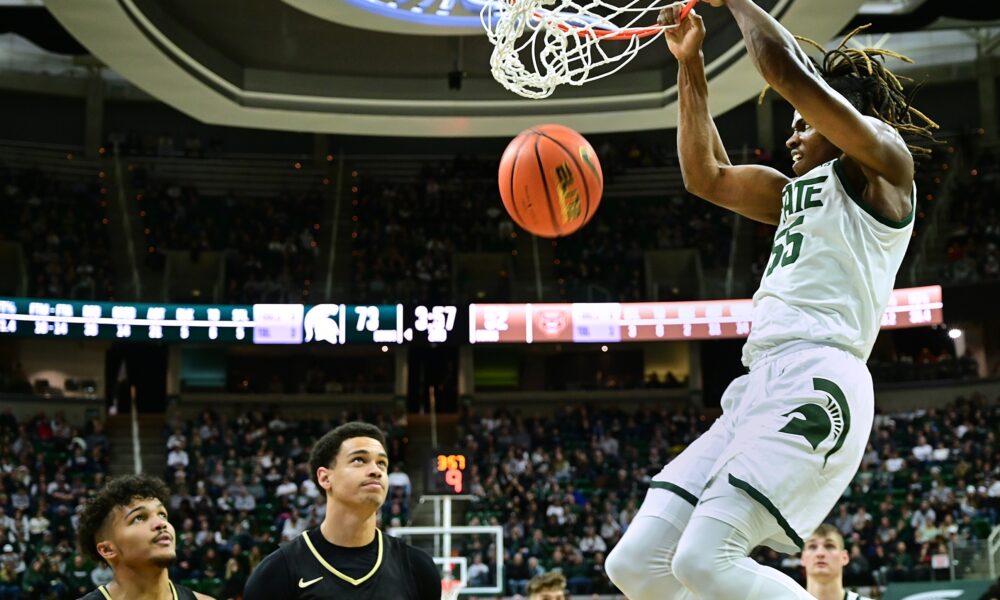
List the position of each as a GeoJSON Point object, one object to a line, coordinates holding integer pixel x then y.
{"type": "Point", "coordinates": [347, 556]}
{"type": "Point", "coordinates": [125, 525]}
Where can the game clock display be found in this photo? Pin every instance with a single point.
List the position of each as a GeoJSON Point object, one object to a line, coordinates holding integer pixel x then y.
{"type": "Point", "coordinates": [446, 472]}
{"type": "Point", "coordinates": [334, 324]}
{"type": "Point", "coordinates": [394, 324]}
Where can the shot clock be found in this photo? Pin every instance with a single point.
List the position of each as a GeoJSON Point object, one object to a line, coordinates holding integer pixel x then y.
{"type": "Point", "coordinates": [446, 472]}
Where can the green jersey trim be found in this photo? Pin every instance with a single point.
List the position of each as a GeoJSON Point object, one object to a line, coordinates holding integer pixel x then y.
{"type": "Point", "coordinates": [768, 506]}
{"type": "Point", "coordinates": [683, 493]}
{"type": "Point", "coordinates": [838, 168]}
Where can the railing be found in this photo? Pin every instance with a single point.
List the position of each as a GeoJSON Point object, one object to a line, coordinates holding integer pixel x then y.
{"type": "Point", "coordinates": [993, 551]}
{"type": "Point", "coordinates": [126, 224]}
{"type": "Point", "coordinates": [972, 559]}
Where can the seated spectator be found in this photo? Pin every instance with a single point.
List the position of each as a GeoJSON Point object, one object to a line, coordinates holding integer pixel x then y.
{"type": "Point", "coordinates": [399, 478]}
{"type": "Point", "coordinates": [478, 573]}
{"type": "Point", "coordinates": [517, 575]}
{"type": "Point", "coordinates": [922, 451]}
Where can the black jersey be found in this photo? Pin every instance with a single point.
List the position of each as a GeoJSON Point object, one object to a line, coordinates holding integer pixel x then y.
{"type": "Point", "coordinates": [311, 568]}
{"type": "Point", "coordinates": [180, 593]}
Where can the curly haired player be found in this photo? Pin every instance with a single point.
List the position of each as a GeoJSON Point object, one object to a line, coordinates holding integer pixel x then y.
{"type": "Point", "coordinates": [125, 526]}
{"type": "Point", "coordinates": [794, 428]}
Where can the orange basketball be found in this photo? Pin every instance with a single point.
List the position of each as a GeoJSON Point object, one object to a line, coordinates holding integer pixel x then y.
{"type": "Point", "coordinates": [550, 180]}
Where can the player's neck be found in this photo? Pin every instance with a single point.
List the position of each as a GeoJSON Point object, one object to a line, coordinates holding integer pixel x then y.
{"type": "Point", "coordinates": [146, 584]}
{"type": "Point", "coordinates": [348, 527]}
{"type": "Point", "coordinates": [825, 590]}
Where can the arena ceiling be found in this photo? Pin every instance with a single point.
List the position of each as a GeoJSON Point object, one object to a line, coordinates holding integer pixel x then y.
{"type": "Point", "coordinates": [375, 67]}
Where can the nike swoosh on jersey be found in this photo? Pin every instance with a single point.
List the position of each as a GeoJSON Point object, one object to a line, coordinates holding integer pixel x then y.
{"type": "Point", "coordinates": [304, 584]}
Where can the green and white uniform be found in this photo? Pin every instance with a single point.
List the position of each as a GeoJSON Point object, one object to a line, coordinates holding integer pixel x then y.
{"type": "Point", "coordinates": [794, 429]}
{"type": "Point", "coordinates": [849, 595]}
{"type": "Point", "coordinates": [831, 269]}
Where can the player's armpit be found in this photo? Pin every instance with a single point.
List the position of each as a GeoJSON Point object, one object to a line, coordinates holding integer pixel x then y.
{"type": "Point", "coordinates": [201, 596]}
{"type": "Point", "coordinates": [753, 191]}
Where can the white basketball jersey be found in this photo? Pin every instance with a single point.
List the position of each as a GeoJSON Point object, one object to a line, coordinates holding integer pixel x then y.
{"type": "Point", "coordinates": [832, 267]}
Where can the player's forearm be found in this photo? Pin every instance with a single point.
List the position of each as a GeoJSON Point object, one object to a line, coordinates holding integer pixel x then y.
{"type": "Point", "coordinates": [774, 51]}
{"type": "Point", "coordinates": [699, 146]}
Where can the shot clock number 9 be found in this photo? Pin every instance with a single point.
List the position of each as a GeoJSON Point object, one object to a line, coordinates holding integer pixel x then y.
{"type": "Point", "coordinates": [453, 468]}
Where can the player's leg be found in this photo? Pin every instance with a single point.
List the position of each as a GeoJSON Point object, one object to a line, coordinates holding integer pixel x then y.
{"type": "Point", "coordinates": [640, 564]}
{"type": "Point", "coordinates": [795, 448]}
{"type": "Point", "coordinates": [712, 557]}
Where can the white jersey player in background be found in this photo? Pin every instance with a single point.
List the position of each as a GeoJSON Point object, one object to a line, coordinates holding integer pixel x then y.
{"type": "Point", "coordinates": [793, 430]}
{"type": "Point", "coordinates": [824, 559]}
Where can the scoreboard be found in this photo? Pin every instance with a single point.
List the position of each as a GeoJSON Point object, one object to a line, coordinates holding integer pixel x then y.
{"type": "Point", "coordinates": [657, 321]}
{"type": "Point", "coordinates": [252, 324]}
{"type": "Point", "coordinates": [385, 324]}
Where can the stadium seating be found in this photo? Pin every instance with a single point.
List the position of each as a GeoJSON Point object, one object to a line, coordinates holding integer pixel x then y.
{"type": "Point", "coordinates": [48, 467]}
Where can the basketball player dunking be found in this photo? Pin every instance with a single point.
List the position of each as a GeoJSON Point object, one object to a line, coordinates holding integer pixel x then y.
{"type": "Point", "coordinates": [125, 526]}
{"type": "Point", "coordinates": [794, 428]}
{"type": "Point", "coordinates": [347, 556]}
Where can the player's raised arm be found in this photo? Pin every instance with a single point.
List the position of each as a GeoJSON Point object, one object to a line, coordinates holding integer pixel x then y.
{"type": "Point", "coordinates": [750, 190]}
{"type": "Point", "coordinates": [780, 60]}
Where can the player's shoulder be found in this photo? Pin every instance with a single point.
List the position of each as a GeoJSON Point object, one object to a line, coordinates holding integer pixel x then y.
{"type": "Point", "coordinates": [94, 595]}
{"type": "Point", "coordinates": [272, 577]}
{"type": "Point", "coordinates": [278, 559]}
{"type": "Point", "coordinates": [420, 562]}
{"type": "Point", "coordinates": [420, 559]}
{"type": "Point", "coordinates": [184, 593]}
{"type": "Point", "coordinates": [425, 573]}
{"type": "Point", "coordinates": [416, 557]}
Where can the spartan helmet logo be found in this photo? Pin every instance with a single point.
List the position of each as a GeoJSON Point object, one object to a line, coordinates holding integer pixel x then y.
{"type": "Point", "coordinates": [321, 323]}
{"type": "Point", "coordinates": [816, 422]}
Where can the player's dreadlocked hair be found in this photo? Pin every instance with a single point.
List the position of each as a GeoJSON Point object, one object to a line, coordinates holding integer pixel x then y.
{"type": "Point", "coordinates": [860, 75]}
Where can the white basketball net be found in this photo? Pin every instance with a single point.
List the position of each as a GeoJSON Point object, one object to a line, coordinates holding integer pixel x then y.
{"type": "Point", "coordinates": [450, 588]}
{"type": "Point", "coordinates": [568, 41]}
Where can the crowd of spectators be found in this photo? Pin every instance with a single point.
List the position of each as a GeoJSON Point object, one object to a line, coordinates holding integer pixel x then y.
{"type": "Point", "coordinates": [973, 245]}
{"type": "Point", "coordinates": [270, 243]}
{"type": "Point", "coordinates": [565, 487]}
{"type": "Point", "coordinates": [404, 236]}
{"type": "Point", "coordinates": [48, 468]}
{"type": "Point", "coordinates": [606, 259]}
{"type": "Point", "coordinates": [925, 365]}
{"type": "Point", "coordinates": [63, 231]}
{"type": "Point", "coordinates": [241, 486]}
